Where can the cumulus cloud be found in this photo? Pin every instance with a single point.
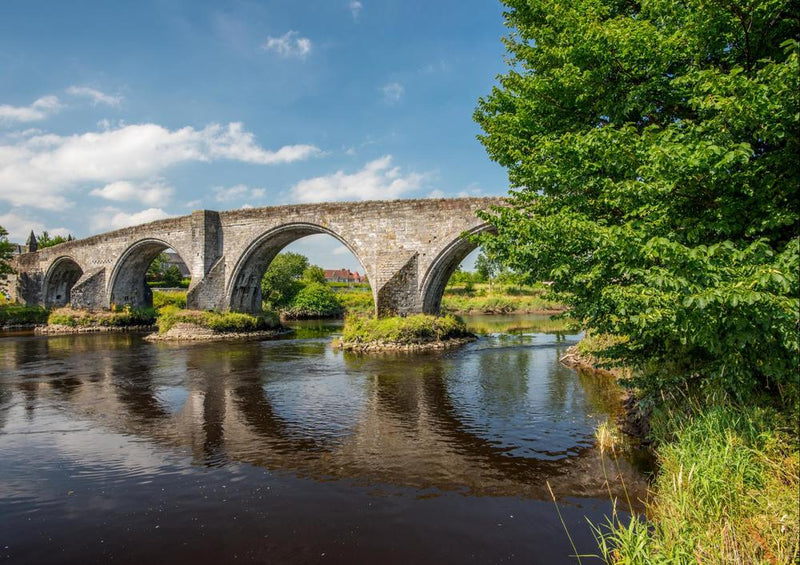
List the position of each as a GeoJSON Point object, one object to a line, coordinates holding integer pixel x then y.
{"type": "Point", "coordinates": [39, 170]}
{"type": "Point", "coordinates": [355, 8]}
{"type": "Point", "coordinates": [149, 192]}
{"type": "Point", "coordinates": [239, 191]}
{"type": "Point", "coordinates": [112, 219]}
{"type": "Point", "coordinates": [378, 180]}
{"type": "Point", "coordinates": [95, 96]}
{"type": "Point", "coordinates": [290, 44]}
{"type": "Point", "coordinates": [19, 226]}
{"type": "Point", "coordinates": [38, 110]}
{"type": "Point", "coordinates": [393, 92]}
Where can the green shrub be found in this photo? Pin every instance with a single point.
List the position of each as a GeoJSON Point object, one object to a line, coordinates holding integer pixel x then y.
{"type": "Point", "coordinates": [356, 301]}
{"type": "Point", "coordinates": [418, 328]}
{"type": "Point", "coordinates": [12, 314]}
{"type": "Point", "coordinates": [161, 299]}
{"type": "Point", "coordinates": [315, 300]}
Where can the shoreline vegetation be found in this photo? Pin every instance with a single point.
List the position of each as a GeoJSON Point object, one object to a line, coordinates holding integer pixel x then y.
{"type": "Point", "coordinates": [728, 474]}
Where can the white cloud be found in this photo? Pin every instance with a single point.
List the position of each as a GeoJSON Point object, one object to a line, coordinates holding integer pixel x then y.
{"type": "Point", "coordinates": [355, 8]}
{"type": "Point", "coordinates": [378, 180]}
{"type": "Point", "coordinates": [290, 44]}
{"type": "Point", "coordinates": [149, 192]}
{"type": "Point", "coordinates": [341, 250]}
{"type": "Point", "coordinates": [112, 219]}
{"type": "Point", "coordinates": [19, 226]}
{"type": "Point", "coordinates": [40, 170]}
{"type": "Point", "coordinates": [96, 96]}
{"type": "Point", "coordinates": [39, 110]}
{"type": "Point", "coordinates": [223, 194]}
{"type": "Point", "coordinates": [393, 92]}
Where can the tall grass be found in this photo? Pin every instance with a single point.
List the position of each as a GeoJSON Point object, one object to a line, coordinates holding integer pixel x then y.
{"type": "Point", "coordinates": [726, 492]}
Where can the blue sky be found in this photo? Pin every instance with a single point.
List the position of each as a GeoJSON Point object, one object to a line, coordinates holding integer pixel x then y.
{"type": "Point", "coordinates": [117, 113]}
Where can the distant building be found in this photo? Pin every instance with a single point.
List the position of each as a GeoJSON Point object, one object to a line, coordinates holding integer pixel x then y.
{"type": "Point", "coordinates": [343, 275]}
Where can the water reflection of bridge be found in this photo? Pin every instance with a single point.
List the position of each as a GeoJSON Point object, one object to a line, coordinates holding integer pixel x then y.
{"type": "Point", "coordinates": [226, 403]}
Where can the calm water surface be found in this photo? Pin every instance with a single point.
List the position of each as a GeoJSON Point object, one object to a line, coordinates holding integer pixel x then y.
{"type": "Point", "coordinates": [113, 449]}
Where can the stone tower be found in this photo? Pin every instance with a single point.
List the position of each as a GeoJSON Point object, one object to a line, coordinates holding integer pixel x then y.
{"type": "Point", "coordinates": [31, 245]}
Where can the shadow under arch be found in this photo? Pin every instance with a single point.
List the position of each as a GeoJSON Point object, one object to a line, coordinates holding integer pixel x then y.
{"type": "Point", "coordinates": [127, 285]}
{"type": "Point", "coordinates": [244, 289]}
{"type": "Point", "coordinates": [445, 264]}
{"type": "Point", "coordinates": [62, 275]}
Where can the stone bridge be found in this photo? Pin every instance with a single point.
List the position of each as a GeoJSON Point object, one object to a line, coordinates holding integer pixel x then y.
{"type": "Point", "coordinates": [407, 248]}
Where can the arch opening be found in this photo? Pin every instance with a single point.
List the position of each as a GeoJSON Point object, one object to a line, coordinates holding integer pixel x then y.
{"type": "Point", "coordinates": [61, 277]}
{"type": "Point", "coordinates": [145, 265]}
{"type": "Point", "coordinates": [443, 267]}
{"type": "Point", "coordinates": [326, 254]}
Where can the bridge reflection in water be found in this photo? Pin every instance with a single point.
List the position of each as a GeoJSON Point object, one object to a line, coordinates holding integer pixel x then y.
{"type": "Point", "coordinates": [497, 418]}
{"type": "Point", "coordinates": [280, 451]}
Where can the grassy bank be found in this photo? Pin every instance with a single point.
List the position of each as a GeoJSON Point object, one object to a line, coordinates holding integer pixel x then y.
{"type": "Point", "coordinates": [222, 322]}
{"type": "Point", "coordinates": [726, 491]}
{"type": "Point", "coordinates": [465, 299]}
{"type": "Point", "coordinates": [16, 315]}
{"type": "Point", "coordinates": [420, 328]}
{"type": "Point", "coordinates": [125, 317]}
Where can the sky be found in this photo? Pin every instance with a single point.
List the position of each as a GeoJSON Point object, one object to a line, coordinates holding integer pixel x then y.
{"type": "Point", "coordinates": [119, 113]}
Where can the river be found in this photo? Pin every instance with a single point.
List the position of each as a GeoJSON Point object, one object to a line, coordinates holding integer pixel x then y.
{"type": "Point", "coordinates": [116, 450]}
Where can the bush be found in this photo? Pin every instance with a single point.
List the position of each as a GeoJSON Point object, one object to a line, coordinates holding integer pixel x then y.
{"type": "Point", "coordinates": [357, 301]}
{"type": "Point", "coordinates": [161, 299]}
{"type": "Point", "coordinates": [315, 300]}
{"type": "Point", "coordinates": [13, 314]}
{"type": "Point", "coordinates": [223, 322]}
{"type": "Point", "coordinates": [419, 328]}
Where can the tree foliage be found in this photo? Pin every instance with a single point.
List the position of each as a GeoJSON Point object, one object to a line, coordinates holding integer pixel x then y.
{"type": "Point", "coordinates": [6, 250]}
{"type": "Point", "coordinates": [281, 282]}
{"type": "Point", "coordinates": [652, 151]}
{"type": "Point", "coordinates": [314, 274]}
{"type": "Point", "coordinates": [46, 240]}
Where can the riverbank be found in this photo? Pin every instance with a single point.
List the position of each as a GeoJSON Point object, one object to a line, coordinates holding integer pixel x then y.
{"type": "Point", "coordinates": [726, 485]}
{"type": "Point", "coordinates": [460, 300]}
{"type": "Point", "coordinates": [725, 491]}
{"type": "Point", "coordinates": [17, 317]}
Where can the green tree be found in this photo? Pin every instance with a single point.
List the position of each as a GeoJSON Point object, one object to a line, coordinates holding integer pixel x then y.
{"type": "Point", "coordinates": [6, 250]}
{"type": "Point", "coordinates": [156, 270]}
{"type": "Point", "coordinates": [652, 152]}
{"type": "Point", "coordinates": [172, 277]}
{"type": "Point", "coordinates": [281, 282]}
{"type": "Point", "coordinates": [45, 240]}
{"type": "Point", "coordinates": [313, 273]}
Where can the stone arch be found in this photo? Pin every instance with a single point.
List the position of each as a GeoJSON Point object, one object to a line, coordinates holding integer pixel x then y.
{"type": "Point", "coordinates": [62, 275]}
{"type": "Point", "coordinates": [127, 284]}
{"type": "Point", "coordinates": [445, 264]}
{"type": "Point", "coordinates": [244, 288]}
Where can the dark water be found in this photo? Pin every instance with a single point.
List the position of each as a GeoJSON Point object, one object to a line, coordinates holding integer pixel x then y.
{"type": "Point", "coordinates": [114, 450]}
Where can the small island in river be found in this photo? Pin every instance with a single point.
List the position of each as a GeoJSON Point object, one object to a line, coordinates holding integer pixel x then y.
{"type": "Point", "coordinates": [403, 333]}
